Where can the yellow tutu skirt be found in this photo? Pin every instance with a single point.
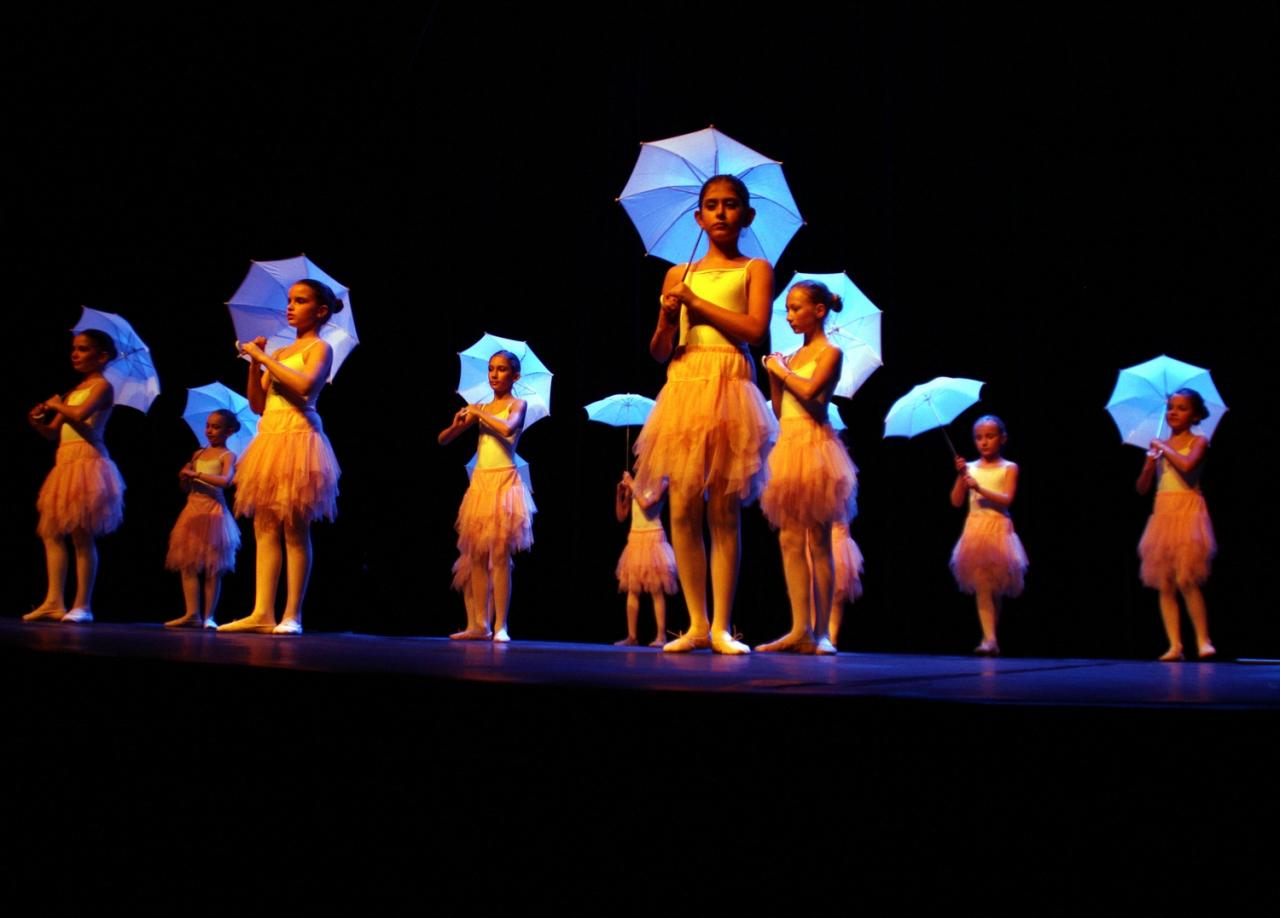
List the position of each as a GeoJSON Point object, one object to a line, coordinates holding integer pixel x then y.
{"type": "Point", "coordinates": [812, 481]}
{"type": "Point", "coordinates": [82, 491]}
{"type": "Point", "coordinates": [647, 564]}
{"type": "Point", "coordinates": [289, 471]}
{"type": "Point", "coordinates": [989, 556]}
{"type": "Point", "coordinates": [848, 565]}
{"type": "Point", "coordinates": [497, 512]}
{"type": "Point", "coordinates": [710, 431]}
{"type": "Point", "coordinates": [204, 539]}
{"type": "Point", "coordinates": [1178, 544]}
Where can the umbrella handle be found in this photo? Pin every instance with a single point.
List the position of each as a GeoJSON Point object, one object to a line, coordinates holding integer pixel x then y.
{"type": "Point", "coordinates": [626, 459]}
{"type": "Point", "coordinates": [688, 265]}
{"type": "Point", "coordinates": [943, 427]}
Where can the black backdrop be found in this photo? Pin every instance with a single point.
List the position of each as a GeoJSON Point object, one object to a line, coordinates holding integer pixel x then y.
{"type": "Point", "coordinates": [1033, 200]}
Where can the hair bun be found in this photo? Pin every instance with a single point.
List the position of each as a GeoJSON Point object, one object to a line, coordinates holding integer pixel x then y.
{"type": "Point", "coordinates": [837, 302]}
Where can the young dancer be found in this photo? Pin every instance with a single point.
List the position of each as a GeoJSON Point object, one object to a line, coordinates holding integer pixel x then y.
{"type": "Point", "coordinates": [83, 497]}
{"type": "Point", "coordinates": [496, 516]}
{"type": "Point", "coordinates": [288, 476]}
{"type": "Point", "coordinates": [812, 482]}
{"type": "Point", "coordinates": [710, 431]}
{"type": "Point", "coordinates": [205, 538]}
{"type": "Point", "coordinates": [989, 560]}
{"type": "Point", "coordinates": [647, 564]}
{"type": "Point", "coordinates": [1178, 544]}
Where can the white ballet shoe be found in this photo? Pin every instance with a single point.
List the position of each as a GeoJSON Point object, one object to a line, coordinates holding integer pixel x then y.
{"type": "Point", "coordinates": [44, 615]}
{"type": "Point", "coordinates": [726, 643]}
{"type": "Point", "coordinates": [210, 624]}
{"type": "Point", "coordinates": [256, 625]}
{"type": "Point", "coordinates": [1207, 652]}
{"type": "Point", "coordinates": [789, 643]}
{"type": "Point", "coordinates": [987, 649]}
{"type": "Point", "coordinates": [684, 643]}
{"type": "Point", "coordinates": [501, 637]}
{"type": "Point", "coordinates": [288, 626]}
{"type": "Point", "coordinates": [78, 616]}
{"type": "Point", "coordinates": [825, 648]}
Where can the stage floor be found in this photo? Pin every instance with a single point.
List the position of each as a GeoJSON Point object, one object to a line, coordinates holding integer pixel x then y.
{"type": "Point", "coordinates": [1004, 681]}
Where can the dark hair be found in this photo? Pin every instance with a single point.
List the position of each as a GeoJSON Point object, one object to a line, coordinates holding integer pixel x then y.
{"type": "Point", "coordinates": [228, 418]}
{"type": "Point", "coordinates": [738, 185]}
{"type": "Point", "coordinates": [820, 293]}
{"type": "Point", "coordinates": [1198, 410]}
{"type": "Point", "coordinates": [991, 419]}
{"type": "Point", "coordinates": [511, 359]}
{"type": "Point", "coordinates": [102, 341]}
{"type": "Point", "coordinates": [324, 293]}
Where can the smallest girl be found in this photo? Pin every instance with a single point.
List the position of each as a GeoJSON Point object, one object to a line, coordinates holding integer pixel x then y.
{"type": "Point", "coordinates": [83, 497]}
{"type": "Point", "coordinates": [647, 565]}
{"type": "Point", "coordinates": [1178, 543]}
{"type": "Point", "coordinates": [989, 560]}
{"type": "Point", "coordinates": [496, 516]}
{"type": "Point", "coordinates": [205, 538]}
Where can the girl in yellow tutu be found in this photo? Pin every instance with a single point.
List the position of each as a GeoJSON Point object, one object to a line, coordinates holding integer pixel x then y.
{"type": "Point", "coordinates": [710, 431]}
{"type": "Point", "coordinates": [1178, 544]}
{"type": "Point", "coordinates": [205, 538]}
{"type": "Point", "coordinates": [812, 482]}
{"type": "Point", "coordinates": [496, 517]}
{"type": "Point", "coordinates": [288, 476]}
{"type": "Point", "coordinates": [989, 560]}
{"type": "Point", "coordinates": [647, 564]}
{"type": "Point", "coordinates": [83, 497]}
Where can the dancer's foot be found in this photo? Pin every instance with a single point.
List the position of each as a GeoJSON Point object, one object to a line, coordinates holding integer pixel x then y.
{"type": "Point", "coordinates": [78, 616]}
{"type": "Point", "coordinates": [290, 626]}
{"type": "Point", "coordinates": [190, 620]}
{"type": "Point", "coordinates": [1172, 655]}
{"type": "Point", "coordinates": [825, 648]}
{"type": "Point", "coordinates": [790, 643]}
{"type": "Point", "coordinates": [1207, 651]}
{"type": "Point", "coordinates": [628, 641]}
{"type": "Point", "coordinates": [501, 637]}
{"type": "Point", "coordinates": [684, 643]}
{"type": "Point", "coordinates": [472, 634]}
{"type": "Point", "coordinates": [258, 624]}
{"type": "Point", "coordinates": [726, 643]}
{"type": "Point", "coordinates": [657, 642]}
{"type": "Point", "coordinates": [45, 614]}
{"type": "Point", "coordinates": [988, 648]}
{"type": "Point", "coordinates": [210, 624]}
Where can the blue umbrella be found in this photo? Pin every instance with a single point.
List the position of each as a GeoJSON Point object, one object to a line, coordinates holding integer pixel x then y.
{"type": "Point", "coordinates": [132, 374]}
{"type": "Point", "coordinates": [1138, 402]}
{"type": "Point", "coordinates": [855, 330]}
{"type": "Point", "coordinates": [203, 400]}
{"type": "Point", "coordinates": [534, 384]}
{"type": "Point", "coordinates": [258, 307]}
{"type": "Point", "coordinates": [662, 194]}
{"type": "Point", "coordinates": [833, 415]}
{"type": "Point", "coordinates": [622, 410]}
{"type": "Point", "coordinates": [933, 404]}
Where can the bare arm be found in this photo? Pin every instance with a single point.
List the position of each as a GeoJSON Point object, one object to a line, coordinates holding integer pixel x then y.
{"type": "Point", "coordinates": [750, 327]}
{"type": "Point", "coordinates": [816, 388]}
{"type": "Point", "coordinates": [44, 422]}
{"type": "Point", "coordinates": [505, 429]}
{"type": "Point", "coordinates": [316, 361]}
{"type": "Point", "coordinates": [960, 489]}
{"type": "Point", "coordinates": [663, 342]}
{"type": "Point", "coordinates": [775, 384]}
{"type": "Point", "coordinates": [461, 421]}
{"type": "Point", "coordinates": [622, 497]}
{"type": "Point", "coordinates": [1184, 464]}
{"type": "Point", "coordinates": [1147, 476]}
{"type": "Point", "coordinates": [256, 386]}
{"type": "Point", "coordinates": [648, 498]}
{"type": "Point", "coordinates": [1002, 499]}
{"type": "Point", "coordinates": [100, 398]}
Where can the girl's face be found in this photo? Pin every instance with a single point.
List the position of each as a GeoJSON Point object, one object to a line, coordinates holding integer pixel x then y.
{"type": "Point", "coordinates": [303, 311]}
{"type": "Point", "coordinates": [803, 314]}
{"type": "Point", "coordinates": [85, 356]}
{"type": "Point", "coordinates": [1180, 413]}
{"type": "Point", "coordinates": [502, 375]}
{"type": "Point", "coordinates": [216, 430]}
{"type": "Point", "coordinates": [722, 214]}
{"type": "Point", "coordinates": [988, 439]}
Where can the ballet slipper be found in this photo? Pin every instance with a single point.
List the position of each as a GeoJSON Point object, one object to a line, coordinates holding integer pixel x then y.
{"type": "Point", "coordinates": [210, 624]}
{"type": "Point", "coordinates": [501, 637]}
{"type": "Point", "coordinates": [256, 624]}
{"type": "Point", "coordinates": [472, 634]}
{"type": "Point", "coordinates": [78, 616]}
{"type": "Point", "coordinates": [825, 648]}
{"type": "Point", "coordinates": [40, 615]}
{"type": "Point", "coordinates": [626, 642]}
{"type": "Point", "coordinates": [1207, 651]}
{"type": "Point", "coordinates": [1172, 655]}
{"type": "Point", "coordinates": [987, 649]}
{"type": "Point", "coordinates": [290, 626]}
{"type": "Point", "coordinates": [190, 620]}
{"type": "Point", "coordinates": [790, 643]}
{"type": "Point", "coordinates": [726, 643]}
{"type": "Point", "coordinates": [684, 643]}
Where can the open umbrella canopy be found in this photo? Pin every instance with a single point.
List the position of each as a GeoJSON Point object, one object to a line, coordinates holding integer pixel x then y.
{"type": "Point", "coordinates": [622, 410]}
{"type": "Point", "coordinates": [662, 194]}
{"type": "Point", "coordinates": [534, 384]}
{"type": "Point", "coordinates": [132, 374]}
{"type": "Point", "coordinates": [833, 415]}
{"type": "Point", "coordinates": [1138, 402]}
{"type": "Point", "coordinates": [933, 404]}
{"type": "Point", "coordinates": [855, 329]}
{"type": "Point", "coordinates": [203, 400]}
{"type": "Point", "coordinates": [258, 307]}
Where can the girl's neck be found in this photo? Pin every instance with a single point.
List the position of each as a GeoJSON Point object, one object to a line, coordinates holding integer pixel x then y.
{"type": "Point", "coordinates": [305, 334]}
{"type": "Point", "coordinates": [817, 335]}
{"type": "Point", "coordinates": [91, 376]}
{"type": "Point", "coordinates": [994, 460]}
{"type": "Point", "coordinates": [718, 254]}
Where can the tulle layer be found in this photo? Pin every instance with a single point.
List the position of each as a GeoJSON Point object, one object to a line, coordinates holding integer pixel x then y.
{"type": "Point", "coordinates": [496, 513]}
{"type": "Point", "coordinates": [1178, 544]}
{"type": "Point", "coordinates": [204, 539]}
{"type": "Point", "coordinates": [289, 470]}
{"type": "Point", "coordinates": [812, 481]}
{"type": "Point", "coordinates": [989, 556]}
{"type": "Point", "coordinates": [848, 565]}
{"type": "Point", "coordinates": [84, 490]}
{"type": "Point", "coordinates": [710, 431]}
{"type": "Point", "coordinates": [647, 564]}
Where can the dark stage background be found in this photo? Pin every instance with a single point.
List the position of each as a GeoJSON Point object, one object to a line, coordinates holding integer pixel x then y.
{"type": "Point", "coordinates": [1033, 201]}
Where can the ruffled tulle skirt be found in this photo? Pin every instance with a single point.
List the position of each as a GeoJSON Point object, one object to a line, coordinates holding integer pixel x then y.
{"type": "Point", "coordinates": [710, 431]}
{"type": "Point", "coordinates": [647, 564]}
{"type": "Point", "coordinates": [812, 481]}
{"type": "Point", "coordinates": [848, 565]}
{"type": "Point", "coordinates": [289, 470]}
{"type": "Point", "coordinates": [989, 556]}
{"type": "Point", "coordinates": [204, 539]}
{"type": "Point", "coordinates": [496, 513]}
{"type": "Point", "coordinates": [1178, 544]}
{"type": "Point", "coordinates": [82, 491]}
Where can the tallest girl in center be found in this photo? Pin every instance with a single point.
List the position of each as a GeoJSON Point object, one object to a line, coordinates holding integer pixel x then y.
{"type": "Point", "coordinates": [710, 432]}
